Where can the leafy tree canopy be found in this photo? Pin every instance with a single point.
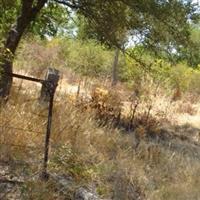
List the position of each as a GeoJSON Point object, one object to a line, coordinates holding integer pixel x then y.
{"type": "Point", "coordinates": [158, 24]}
{"type": "Point", "coordinates": [9, 11]}
{"type": "Point", "coordinates": [162, 27]}
{"type": "Point", "coordinates": [155, 23]}
{"type": "Point", "coordinates": [191, 53]}
{"type": "Point", "coordinates": [52, 19]}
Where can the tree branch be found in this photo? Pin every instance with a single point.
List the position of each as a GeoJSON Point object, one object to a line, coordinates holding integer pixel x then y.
{"type": "Point", "coordinates": [40, 4]}
{"type": "Point", "coordinates": [71, 5]}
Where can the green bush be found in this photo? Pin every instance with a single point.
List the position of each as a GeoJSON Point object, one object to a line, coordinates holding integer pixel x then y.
{"type": "Point", "coordinates": [92, 59]}
{"type": "Point", "coordinates": [89, 58]}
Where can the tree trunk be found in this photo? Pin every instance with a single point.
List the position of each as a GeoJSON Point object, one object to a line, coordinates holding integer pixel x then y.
{"type": "Point", "coordinates": [115, 68]}
{"type": "Point", "coordinates": [28, 14]}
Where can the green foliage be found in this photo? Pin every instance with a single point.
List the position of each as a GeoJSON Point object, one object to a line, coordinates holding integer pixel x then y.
{"type": "Point", "coordinates": [160, 71]}
{"type": "Point", "coordinates": [87, 58]}
{"type": "Point", "coordinates": [90, 59]}
{"type": "Point", "coordinates": [159, 26]}
{"type": "Point", "coordinates": [130, 71]}
{"type": "Point", "coordinates": [179, 76]}
{"type": "Point", "coordinates": [163, 73]}
{"type": "Point", "coordinates": [9, 10]}
{"type": "Point", "coordinates": [52, 21]}
{"type": "Point", "coordinates": [195, 81]}
{"type": "Point", "coordinates": [191, 53]}
{"type": "Point", "coordinates": [109, 27]}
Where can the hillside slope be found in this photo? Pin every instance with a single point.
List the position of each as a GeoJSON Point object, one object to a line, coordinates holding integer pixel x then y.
{"type": "Point", "coordinates": [107, 161]}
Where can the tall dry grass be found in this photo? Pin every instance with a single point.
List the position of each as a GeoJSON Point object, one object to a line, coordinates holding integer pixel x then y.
{"type": "Point", "coordinates": [93, 156]}
{"type": "Point", "coordinates": [83, 151]}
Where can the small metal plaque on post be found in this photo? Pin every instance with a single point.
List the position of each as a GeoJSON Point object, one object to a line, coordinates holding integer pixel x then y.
{"type": "Point", "coordinates": [49, 85]}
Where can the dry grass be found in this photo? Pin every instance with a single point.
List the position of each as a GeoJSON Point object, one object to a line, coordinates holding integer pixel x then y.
{"type": "Point", "coordinates": [99, 156]}
{"type": "Point", "coordinates": [120, 165]}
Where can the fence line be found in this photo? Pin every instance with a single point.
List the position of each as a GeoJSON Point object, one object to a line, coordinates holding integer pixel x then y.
{"type": "Point", "coordinates": [20, 146]}
{"type": "Point", "coordinates": [33, 131]}
{"type": "Point", "coordinates": [21, 129]}
{"type": "Point", "coordinates": [28, 78]}
{"type": "Point", "coordinates": [46, 97]}
{"type": "Point", "coordinates": [39, 115]}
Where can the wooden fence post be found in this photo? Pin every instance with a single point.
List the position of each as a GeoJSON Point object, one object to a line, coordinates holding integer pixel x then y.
{"type": "Point", "coordinates": [47, 95]}
{"type": "Point", "coordinates": [49, 85]}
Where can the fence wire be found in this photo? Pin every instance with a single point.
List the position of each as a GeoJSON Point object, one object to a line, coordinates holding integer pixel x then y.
{"type": "Point", "coordinates": [47, 96]}
{"type": "Point", "coordinates": [21, 129]}
{"type": "Point", "coordinates": [21, 146]}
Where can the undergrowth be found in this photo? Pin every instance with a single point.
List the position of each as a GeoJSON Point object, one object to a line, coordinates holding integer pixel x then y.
{"type": "Point", "coordinates": [91, 155]}
{"type": "Point", "coordinates": [108, 141]}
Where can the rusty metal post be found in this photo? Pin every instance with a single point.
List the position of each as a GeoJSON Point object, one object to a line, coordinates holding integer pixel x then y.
{"type": "Point", "coordinates": [47, 94]}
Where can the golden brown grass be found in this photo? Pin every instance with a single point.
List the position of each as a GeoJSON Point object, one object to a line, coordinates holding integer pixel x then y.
{"type": "Point", "coordinates": [101, 157]}
{"type": "Point", "coordinates": [92, 155]}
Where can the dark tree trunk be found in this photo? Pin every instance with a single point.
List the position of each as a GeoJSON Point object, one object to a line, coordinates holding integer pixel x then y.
{"type": "Point", "coordinates": [115, 68]}
{"type": "Point", "coordinates": [29, 11]}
